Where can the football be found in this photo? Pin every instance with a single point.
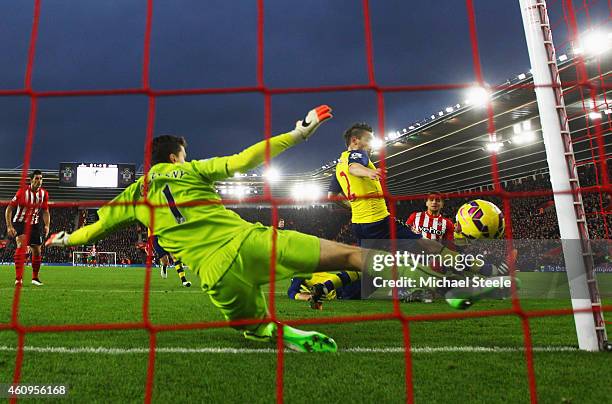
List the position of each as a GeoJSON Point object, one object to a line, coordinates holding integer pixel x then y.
{"type": "Point", "coordinates": [479, 219]}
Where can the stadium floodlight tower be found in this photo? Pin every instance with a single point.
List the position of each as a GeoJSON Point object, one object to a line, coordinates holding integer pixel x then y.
{"type": "Point", "coordinates": [590, 325]}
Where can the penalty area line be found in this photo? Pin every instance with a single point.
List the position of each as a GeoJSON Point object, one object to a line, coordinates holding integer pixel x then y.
{"type": "Point", "coordinates": [219, 350]}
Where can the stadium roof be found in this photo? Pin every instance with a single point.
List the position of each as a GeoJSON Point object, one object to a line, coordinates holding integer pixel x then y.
{"type": "Point", "coordinates": [447, 153]}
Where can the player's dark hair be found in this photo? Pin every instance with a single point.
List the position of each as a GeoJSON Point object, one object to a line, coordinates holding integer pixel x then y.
{"type": "Point", "coordinates": [164, 146]}
{"type": "Point", "coordinates": [435, 193]}
{"type": "Point", "coordinates": [35, 173]}
{"type": "Point", "coordinates": [357, 130]}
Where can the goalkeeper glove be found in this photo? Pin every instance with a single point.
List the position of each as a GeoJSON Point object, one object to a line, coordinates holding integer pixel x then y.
{"type": "Point", "coordinates": [58, 239]}
{"type": "Point", "coordinates": [304, 129]}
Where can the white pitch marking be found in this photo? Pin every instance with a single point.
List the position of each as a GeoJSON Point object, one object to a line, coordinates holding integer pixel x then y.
{"type": "Point", "coordinates": [415, 350]}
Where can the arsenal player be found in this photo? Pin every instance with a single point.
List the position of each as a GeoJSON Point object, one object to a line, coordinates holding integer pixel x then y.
{"type": "Point", "coordinates": [430, 223]}
{"type": "Point", "coordinates": [28, 205]}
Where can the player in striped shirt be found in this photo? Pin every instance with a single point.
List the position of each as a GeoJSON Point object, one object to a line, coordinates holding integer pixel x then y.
{"type": "Point", "coordinates": [430, 223]}
{"type": "Point", "coordinates": [24, 222]}
{"type": "Point", "coordinates": [433, 226]}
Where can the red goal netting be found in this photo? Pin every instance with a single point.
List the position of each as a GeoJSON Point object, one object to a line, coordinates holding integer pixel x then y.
{"type": "Point", "coordinates": [567, 19]}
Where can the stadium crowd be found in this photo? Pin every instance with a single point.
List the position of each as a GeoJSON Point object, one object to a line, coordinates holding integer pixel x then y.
{"type": "Point", "coordinates": [532, 218]}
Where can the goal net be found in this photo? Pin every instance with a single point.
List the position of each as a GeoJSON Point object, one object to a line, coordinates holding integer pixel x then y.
{"type": "Point", "coordinates": [486, 146]}
{"type": "Point", "coordinates": [99, 259]}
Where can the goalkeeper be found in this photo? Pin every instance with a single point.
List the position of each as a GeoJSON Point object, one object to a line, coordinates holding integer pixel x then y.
{"type": "Point", "coordinates": [230, 255]}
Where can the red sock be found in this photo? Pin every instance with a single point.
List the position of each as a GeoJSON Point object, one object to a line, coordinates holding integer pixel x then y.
{"type": "Point", "coordinates": [36, 260]}
{"type": "Point", "coordinates": [19, 257]}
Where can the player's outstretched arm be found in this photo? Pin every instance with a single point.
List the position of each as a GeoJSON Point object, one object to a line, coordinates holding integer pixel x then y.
{"type": "Point", "coordinates": [84, 235]}
{"type": "Point", "coordinates": [255, 155]}
{"type": "Point", "coordinates": [116, 214]}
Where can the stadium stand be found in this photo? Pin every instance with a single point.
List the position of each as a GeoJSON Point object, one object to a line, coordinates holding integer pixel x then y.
{"type": "Point", "coordinates": [532, 218]}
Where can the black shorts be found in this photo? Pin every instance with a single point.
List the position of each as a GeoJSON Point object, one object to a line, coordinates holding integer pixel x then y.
{"type": "Point", "coordinates": [37, 232]}
{"type": "Point", "coordinates": [159, 250]}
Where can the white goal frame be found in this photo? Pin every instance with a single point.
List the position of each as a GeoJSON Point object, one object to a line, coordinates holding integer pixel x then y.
{"type": "Point", "coordinates": [588, 318]}
{"type": "Point", "coordinates": [111, 262]}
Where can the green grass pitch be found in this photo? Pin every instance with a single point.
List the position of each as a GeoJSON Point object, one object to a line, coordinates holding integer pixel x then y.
{"type": "Point", "coordinates": [466, 360]}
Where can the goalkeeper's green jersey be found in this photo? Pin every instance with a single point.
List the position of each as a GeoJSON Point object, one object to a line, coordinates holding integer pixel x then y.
{"type": "Point", "coordinates": [206, 237]}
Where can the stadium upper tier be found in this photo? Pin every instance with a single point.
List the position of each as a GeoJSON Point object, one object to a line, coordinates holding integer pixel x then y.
{"type": "Point", "coordinates": [447, 153]}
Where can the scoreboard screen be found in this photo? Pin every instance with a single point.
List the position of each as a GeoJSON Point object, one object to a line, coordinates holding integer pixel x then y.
{"type": "Point", "coordinates": [96, 175]}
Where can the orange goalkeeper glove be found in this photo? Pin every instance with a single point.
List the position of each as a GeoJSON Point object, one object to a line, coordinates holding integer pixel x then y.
{"type": "Point", "coordinates": [315, 117]}
{"type": "Point", "coordinates": [58, 239]}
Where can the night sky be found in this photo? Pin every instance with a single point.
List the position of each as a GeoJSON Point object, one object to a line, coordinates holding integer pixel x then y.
{"type": "Point", "coordinates": [197, 44]}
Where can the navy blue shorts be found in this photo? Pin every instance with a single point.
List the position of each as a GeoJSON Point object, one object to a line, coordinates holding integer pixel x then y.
{"type": "Point", "coordinates": [159, 250]}
{"type": "Point", "coordinates": [382, 231]}
{"type": "Point", "coordinates": [352, 291]}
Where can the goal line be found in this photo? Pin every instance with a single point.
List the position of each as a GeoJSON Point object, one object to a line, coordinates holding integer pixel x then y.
{"type": "Point", "coordinates": [226, 350]}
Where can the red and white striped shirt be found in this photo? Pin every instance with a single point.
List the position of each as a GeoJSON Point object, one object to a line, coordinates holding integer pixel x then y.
{"type": "Point", "coordinates": [29, 203]}
{"type": "Point", "coordinates": [431, 227]}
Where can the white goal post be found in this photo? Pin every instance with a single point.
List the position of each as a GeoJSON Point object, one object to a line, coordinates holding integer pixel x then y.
{"type": "Point", "coordinates": [590, 326]}
{"type": "Point", "coordinates": [103, 258]}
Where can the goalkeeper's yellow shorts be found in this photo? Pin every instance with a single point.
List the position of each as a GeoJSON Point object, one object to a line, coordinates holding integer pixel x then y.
{"type": "Point", "coordinates": [238, 293]}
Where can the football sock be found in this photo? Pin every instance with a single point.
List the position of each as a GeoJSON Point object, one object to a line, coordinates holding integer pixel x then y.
{"type": "Point", "coordinates": [20, 258]}
{"type": "Point", "coordinates": [178, 265]}
{"type": "Point", "coordinates": [36, 260]}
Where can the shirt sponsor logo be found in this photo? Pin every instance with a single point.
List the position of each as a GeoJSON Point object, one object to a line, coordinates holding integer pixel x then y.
{"type": "Point", "coordinates": [356, 155]}
{"type": "Point", "coordinates": [429, 230]}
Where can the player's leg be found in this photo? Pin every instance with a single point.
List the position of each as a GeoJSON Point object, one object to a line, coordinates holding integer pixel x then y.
{"type": "Point", "coordinates": [243, 303]}
{"type": "Point", "coordinates": [165, 262]}
{"type": "Point", "coordinates": [240, 298]}
{"type": "Point", "coordinates": [20, 252]}
{"type": "Point", "coordinates": [180, 270]}
{"type": "Point", "coordinates": [333, 255]}
{"type": "Point", "coordinates": [164, 257]}
{"type": "Point", "coordinates": [36, 241]}
{"type": "Point", "coordinates": [36, 262]}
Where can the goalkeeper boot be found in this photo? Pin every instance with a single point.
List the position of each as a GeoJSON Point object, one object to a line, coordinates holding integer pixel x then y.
{"type": "Point", "coordinates": [464, 298]}
{"type": "Point", "coordinates": [163, 272]}
{"type": "Point", "coordinates": [459, 303]}
{"type": "Point", "coordinates": [293, 339]}
{"type": "Point", "coordinates": [307, 341]}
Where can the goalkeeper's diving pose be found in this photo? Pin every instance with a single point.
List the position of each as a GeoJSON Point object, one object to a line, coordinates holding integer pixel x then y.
{"type": "Point", "coordinates": [230, 255]}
